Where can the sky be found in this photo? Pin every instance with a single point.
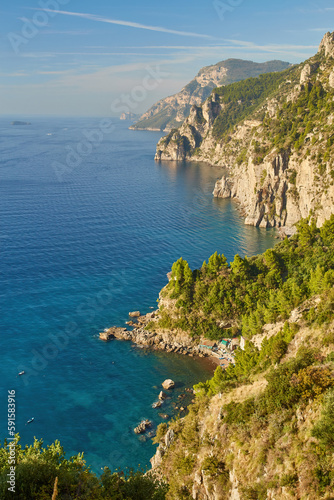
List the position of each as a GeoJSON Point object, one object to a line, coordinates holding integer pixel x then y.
{"type": "Point", "coordinates": [99, 58]}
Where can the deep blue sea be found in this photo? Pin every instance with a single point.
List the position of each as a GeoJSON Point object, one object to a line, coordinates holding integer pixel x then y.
{"type": "Point", "coordinates": [84, 241]}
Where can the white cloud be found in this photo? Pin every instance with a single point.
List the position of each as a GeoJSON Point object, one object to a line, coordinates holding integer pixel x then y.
{"type": "Point", "coordinates": [15, 74]}
{"type": "Point", "coordinates": [93, 17]}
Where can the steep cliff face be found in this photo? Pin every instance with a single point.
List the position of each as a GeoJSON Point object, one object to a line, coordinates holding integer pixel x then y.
{"type": "Point", "coordinates": [170, 112]}
{"type": "Point", "coordinates": [277, 143]}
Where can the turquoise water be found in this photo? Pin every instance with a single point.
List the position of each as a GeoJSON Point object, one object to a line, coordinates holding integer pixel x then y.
{"type": "Point", "coordinates": [78, 252]}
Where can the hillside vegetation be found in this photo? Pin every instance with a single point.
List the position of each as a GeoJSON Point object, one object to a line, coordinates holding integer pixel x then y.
{"type": "Point", "coordinates": [222, 299]}
{"type": "Point", "coordinates": [42, 473]}
{"type": "Point", "coordinates": [260, 429]}
{"type": "Point", "coordinates": [264, 428]}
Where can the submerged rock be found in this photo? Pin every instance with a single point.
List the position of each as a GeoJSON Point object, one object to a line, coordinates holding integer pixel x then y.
{"type": "Point", "coordinates": [164, 416]}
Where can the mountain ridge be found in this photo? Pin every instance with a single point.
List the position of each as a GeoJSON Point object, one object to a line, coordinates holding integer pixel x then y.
{"type": "Point", "coordinates": [170, 112]}
{"type": "Point", "coordinates": [274, 133]}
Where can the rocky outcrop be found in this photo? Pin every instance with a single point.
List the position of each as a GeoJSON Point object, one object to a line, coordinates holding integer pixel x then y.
{"type": "Point", "coordinates": [280, 191]}
{"type": "Point", "coordinates": [156, 460]}
{"type": "Point", "coordinates": [171, 112]}
{"type": "Point", "coordinates": [180, 145]}
{"type": "Point", "coordinates": [111, 333]}
{"type": "Point", "coordinates": [142, 427]}
{"type": "Point", "coordinates": [134, 314]}
{"type": "Point", "coordinates": [165, 340]}
{"type": "Point", "coordinates": [223, 188]}
{"type": "Point", "coordinates": [262, 190]}
{"type": "Point", "coordinates": [327, 44]}
{"type": "Point", "coordinates": [168, 384]}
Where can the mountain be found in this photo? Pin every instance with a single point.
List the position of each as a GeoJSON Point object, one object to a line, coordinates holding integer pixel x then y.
{"type": "Point", "coordinates": [275, 135]}
{"type": "Point", "coordinates": [170, 112]}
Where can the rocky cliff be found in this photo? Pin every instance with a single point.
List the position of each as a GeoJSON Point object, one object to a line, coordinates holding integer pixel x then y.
{"type": "Point", "coordinates": [170, 112]}
{"type": "Point", "coordinates": [275, 135]}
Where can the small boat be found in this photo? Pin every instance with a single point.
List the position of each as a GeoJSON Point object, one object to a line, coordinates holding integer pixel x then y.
{"type": "Point", "coordinates": [21, 373]}
{"type": "Point", "coordinates": [30, 420]}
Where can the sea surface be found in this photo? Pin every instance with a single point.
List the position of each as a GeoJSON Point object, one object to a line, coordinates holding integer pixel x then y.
{"type": "Point", "coordinates": [90, 225]}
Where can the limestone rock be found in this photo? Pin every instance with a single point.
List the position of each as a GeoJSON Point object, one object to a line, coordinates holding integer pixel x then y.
{"type": "Point", "coordinates": [111, 333]}
{"type": "Point", "coordinates": [162, 396]}
{"type": "Point", "coordinates": [168, 384]}
{"type": "Point", "coordinates": [164, 416]}
{"type": "Point", "coordinates": [134, 314]}
{"type": "Point", "coordinates": [305, 74]}
{"type": "Point", "coordinates": [170, 112]}
{"type": "Point", "coordinates": [327, 44]}
{"type": "Point", "coordinates": [169, 437]}
{"type": "Point", "coordinates": [157, 458]}
{"type": "Point", "coordinates": [222, 188]}
{"type": "Point", "coordinates": [141, 428]}
{"type": "Point", "coordinates": [331, 79]}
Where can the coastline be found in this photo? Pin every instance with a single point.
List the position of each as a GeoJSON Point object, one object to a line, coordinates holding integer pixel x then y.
{"type": "Point", "coordinates": [178, 343]}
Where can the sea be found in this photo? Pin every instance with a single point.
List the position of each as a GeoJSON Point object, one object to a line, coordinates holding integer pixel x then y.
{"type": "Point", "coordinates": [90, 226]}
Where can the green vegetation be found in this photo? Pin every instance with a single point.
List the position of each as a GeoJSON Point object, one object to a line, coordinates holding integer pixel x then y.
{"type": "Point", "coordinates": [240, 70]}
{"type": "Point", "coordinates": [37, 469]}
{"type": "Point", "coordinates": [273, 410]}
{"type": "Point", "coordinates": [241, 99]}
{"type": "Point", "coordinates": [159, 121]}
{"type": "Point", "coordinates": [237, 70]}
{"type": "Point", "coordinates": [295, 119]}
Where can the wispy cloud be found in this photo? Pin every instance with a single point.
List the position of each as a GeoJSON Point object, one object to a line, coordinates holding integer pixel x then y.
{"type": "Point", "coordinates": [321, 30]}
{"type": "Point", "coordinates": [46, 55]}
{"type": "Point", "coordinates": [16, 74]}
{"type": "Point", "coordinates": [93, 17]}
{"type": "Point", "coordinates": [272, 48]}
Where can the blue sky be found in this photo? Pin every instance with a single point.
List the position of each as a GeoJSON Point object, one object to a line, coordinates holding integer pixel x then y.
{"type": "Point", "coordinates": [84, 57]}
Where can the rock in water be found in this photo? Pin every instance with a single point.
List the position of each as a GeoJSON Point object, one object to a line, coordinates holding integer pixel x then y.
{"type": "Point", "coordinates": [141, 428]}
{"type": "Point", "coordinates": [168, 384]}
{"type": "Point", "coordinates": [134, 314]}
{"type": "Point", "coordinates": [162, 396]}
